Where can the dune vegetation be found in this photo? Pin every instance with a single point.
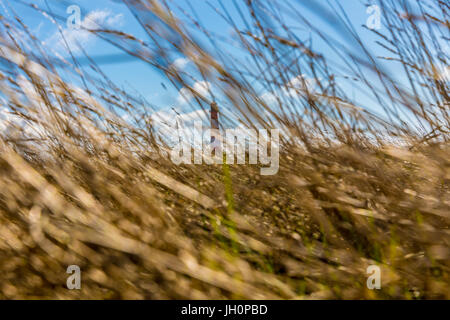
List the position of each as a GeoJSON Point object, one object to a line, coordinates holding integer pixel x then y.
{"type": "Point", "coordinates": [86, 178]}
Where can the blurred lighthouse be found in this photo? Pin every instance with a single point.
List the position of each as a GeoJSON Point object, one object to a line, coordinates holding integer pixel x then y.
{"type": "Point", "coordinates": [214, 116]}
{"type": "Point", "coordinates": [215, 138]}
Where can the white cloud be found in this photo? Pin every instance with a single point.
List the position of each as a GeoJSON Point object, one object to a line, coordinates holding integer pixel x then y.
{"type": "Point", "coordinates": [195, 116]}
{"type": "Point", "coordinates": [300, 83]}
{"type": "Point", "coordinates": [171, 125]}
{"type": "Point", "coordinates": [169, 118]}
{"type": "Point", "coordinates": [96, 19]}
{"type": "Point", "coordinates": [201, 87]}
{"type": "Point", "coordinates": [5, 118]}
{"type": "Point", "coordinates": [292, 89]}
{"type": "Point", "coordinates": [163, 117]}
{"type": "Point", "coordinates": [180, 63]}
{"type": "Point", "coordinates": [268, 97]}
{"type": "Point", "coordinates": [445, 75]}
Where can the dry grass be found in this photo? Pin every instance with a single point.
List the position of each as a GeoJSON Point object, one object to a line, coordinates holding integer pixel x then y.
{"type": "Point", "coordinates": [82, 186]}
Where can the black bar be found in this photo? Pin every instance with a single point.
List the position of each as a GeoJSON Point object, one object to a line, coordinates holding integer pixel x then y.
{"type": "Point", "coordinates": [177, 309]}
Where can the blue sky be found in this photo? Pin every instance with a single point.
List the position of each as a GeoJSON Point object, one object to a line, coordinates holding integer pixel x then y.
{"type": "Point", "coordinates": [132, 74]}
{"type": "Point", "coordinates": [135, 73]}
